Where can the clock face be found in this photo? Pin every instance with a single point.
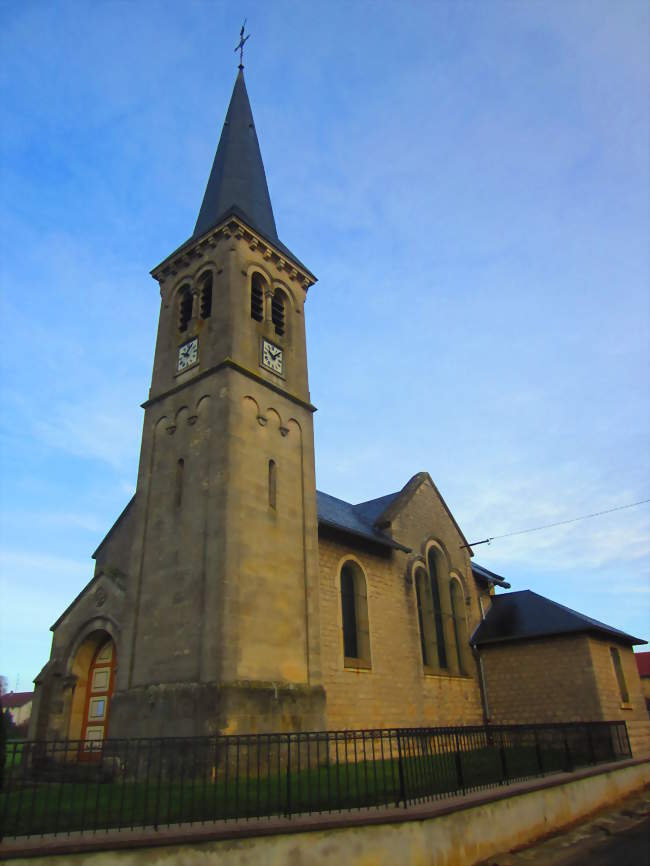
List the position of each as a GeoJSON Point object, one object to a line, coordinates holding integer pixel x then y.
{"type": "Point", "coordinates": [272, 358]}
{"type": "Point", "coordinates": [188, 355]}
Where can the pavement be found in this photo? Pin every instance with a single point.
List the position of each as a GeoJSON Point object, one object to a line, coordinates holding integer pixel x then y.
{"type": "Point", "coordinates": [616, 836]}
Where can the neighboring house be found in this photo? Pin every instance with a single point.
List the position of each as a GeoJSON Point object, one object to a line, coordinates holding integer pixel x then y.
{"type": "Point", "coordinates": [18, 705]}
{"type": "Point", "coordinates": [231, 596]}
{"type": "Point", "coordinates": [643, 666]}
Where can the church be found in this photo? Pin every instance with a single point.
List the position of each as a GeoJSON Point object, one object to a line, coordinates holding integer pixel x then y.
{"type": "Point", "coordinates": [230, 596]}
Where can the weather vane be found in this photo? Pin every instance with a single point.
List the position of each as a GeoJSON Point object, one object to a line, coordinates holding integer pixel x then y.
{"type": "Point", "coordinates": [242, 40]}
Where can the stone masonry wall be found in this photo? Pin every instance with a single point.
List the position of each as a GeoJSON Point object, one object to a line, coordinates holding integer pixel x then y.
{"type": "Point", "coordinates": [548, 680]}
{"type": "Point", "coordinates": [395, 691]}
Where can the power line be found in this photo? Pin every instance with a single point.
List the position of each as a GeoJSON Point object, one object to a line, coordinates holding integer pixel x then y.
{"type": "Point", "coordinates": [557, 523]}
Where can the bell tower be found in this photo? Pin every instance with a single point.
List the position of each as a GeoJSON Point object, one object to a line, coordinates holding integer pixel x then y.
{"type": "Point", "coordinates": [222, 630]}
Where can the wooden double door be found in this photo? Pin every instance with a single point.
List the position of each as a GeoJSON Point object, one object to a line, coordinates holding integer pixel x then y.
{"type": "Point", "coordinates": [99, 690]}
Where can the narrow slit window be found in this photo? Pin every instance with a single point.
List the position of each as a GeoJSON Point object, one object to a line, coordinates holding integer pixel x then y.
{"type": "Point", "coordinates": [277, 312]}
{"type": "Point", "coordinates": [180, 466]}
{"type": "Point", "coordinates": [273, 484]}
{"type": "Point", "coordinates": [257, 297]}
{"type": "Point", "coordinates": [437, 611]}
{"type": "Point", "coordinates": [206, 296]}
{"type": "Point", "coordinates": [620, 676]}
{"type": "Point", "coordinates": [184, 308]}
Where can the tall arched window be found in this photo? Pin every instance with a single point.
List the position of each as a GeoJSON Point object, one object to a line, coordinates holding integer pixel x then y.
{"type": "Point", "coordinates": [184, 308]}
{"type": "Point", "coordinates": [257, 297]}
{"type": "Point", "coordinates": [206, 295]}
{"type": "Point", "coordinates": [354, 609]}
{"type": "Point", "coordinates": [437, 610]}
{"type": "Point", "coordinates": [277, 312]}
{"type": "Point", "coordinates": [273, 484]}
{"type": "Point", "coordinates": [459, 621]}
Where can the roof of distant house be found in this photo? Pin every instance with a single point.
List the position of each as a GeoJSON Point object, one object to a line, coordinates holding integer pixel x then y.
{"type": "Point", "coordinates": [526, 615]}
{"type": "Point", "coordinates": [643, 663]}
{"type": "Point", "coordinates": [14, 700]}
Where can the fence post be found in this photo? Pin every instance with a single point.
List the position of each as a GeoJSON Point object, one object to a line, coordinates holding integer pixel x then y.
{"type": "Point", "coordinates": [538, 752]}
{"type": "Point", "coordinates": [503, 758]}
{"type": "Point", "coordinates": [459, 764]}
{"type": "Point", "coordinates": [288, 775]}
{"type": "Point", "coordinates": [592, 750]}
{"type": "Point", "coordinates": [567, 753]}
{"type": "Point", "coordinates": [400, 769]}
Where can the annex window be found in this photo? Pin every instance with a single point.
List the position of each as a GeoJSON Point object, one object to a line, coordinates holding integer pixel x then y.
{"type": "Point", "coordinates": [206, 295]}
{"type": "Point", "coordinates": [460, 624]}
{"type": "Point", "coordinates": [273, 484]}
{"type": "Point", "coordinates": [184, 308]}
{"type": "Point", "coordinates": [277, 312]}
{"type": "Point", "coordinates": [354, 608]}
{"type": "Point", "coordinates": [441, 649]}
{"type": "Point", "coordinates": [257, 297]}
{"type": "Point", "coordinates": [620, 676]}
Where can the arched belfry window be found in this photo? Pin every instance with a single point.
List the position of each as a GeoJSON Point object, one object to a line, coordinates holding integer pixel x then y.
{"type": "Point", "coordinates": [184, 308]}
{"type": "Point", "coordinates": [437, 610]}
{"type": "Point", "coordinates": [277, 312]}
{"type": "Point", "coordinates": [206, 295]}
{"type": "Point", "coordinates": [354, 610]}
{"type": "Point", "coordinates": [258, 285]}
{"type": "Point", "coordinates": [459, 622]}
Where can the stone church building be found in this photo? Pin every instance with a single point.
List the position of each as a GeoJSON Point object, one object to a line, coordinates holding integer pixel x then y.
{"type": "Point", "coordinates": [232, 596]}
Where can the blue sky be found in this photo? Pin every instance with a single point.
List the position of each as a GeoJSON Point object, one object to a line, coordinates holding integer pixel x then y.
{"type": "Point", "coordinates": [469, 181]}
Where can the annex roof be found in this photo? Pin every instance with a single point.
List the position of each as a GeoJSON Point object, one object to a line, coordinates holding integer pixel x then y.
{"type": "Point", "coordinates": [525, 615]}
{"type": "Point", "coordinates": [643, 663]}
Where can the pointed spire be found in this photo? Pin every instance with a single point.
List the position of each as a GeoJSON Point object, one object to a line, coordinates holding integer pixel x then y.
{"type": "Point", "coordinates": [237, 182]}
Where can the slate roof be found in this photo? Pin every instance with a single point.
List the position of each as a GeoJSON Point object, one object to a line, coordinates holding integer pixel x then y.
{"type": "Point", "coordinates": [14, 700]}
{"type": "Point", "coordinates": [525, 615]}
{"type": "Point", "coordinates": [237, 183]}
{"type": "Point", "coordinates": [489, 576]}
{"type": "Point", "coordinates": [374, 508]}
{"type": "Point", "coordinates": [350, 518]}
{"type": "Point", "coordinates": [643, 663]}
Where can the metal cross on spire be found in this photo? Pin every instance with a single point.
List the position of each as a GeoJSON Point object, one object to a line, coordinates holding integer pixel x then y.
{"type": "Point", "coordinates": [242, 40]}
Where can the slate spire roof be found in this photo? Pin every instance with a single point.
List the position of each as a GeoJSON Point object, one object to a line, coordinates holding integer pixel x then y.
{"type": "Point", "coordinates": [237, 183]}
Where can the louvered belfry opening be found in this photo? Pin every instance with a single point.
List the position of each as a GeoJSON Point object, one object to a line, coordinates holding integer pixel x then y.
{"type": "Point", "coordinates": [184, 308]}
{"type": "Point", "coordinates": [257, 298]}
{"type": "Point", "coordinates": [206, 296]}
{"type": "Point", "coordinates": [277, 312]}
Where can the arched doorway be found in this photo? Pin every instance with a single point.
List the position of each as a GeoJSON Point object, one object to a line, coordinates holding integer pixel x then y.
{"type": "Point", "coordinates": [98, 692]}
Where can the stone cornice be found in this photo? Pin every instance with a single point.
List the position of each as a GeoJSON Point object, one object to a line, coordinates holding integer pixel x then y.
{"type": "Point", "coordinates": [233, 365]}
{"type": "Point", "coordinates": [232, 227]}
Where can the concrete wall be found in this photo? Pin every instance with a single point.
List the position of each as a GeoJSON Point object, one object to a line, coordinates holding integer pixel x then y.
{"type": "Point", "coordinates": [453, 833]}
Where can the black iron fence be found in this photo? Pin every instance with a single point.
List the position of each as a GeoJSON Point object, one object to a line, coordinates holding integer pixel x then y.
{"type": "Point", "coordinates": [69, 786]}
